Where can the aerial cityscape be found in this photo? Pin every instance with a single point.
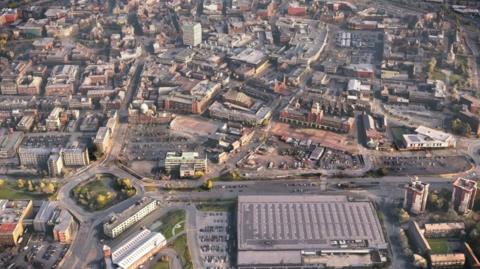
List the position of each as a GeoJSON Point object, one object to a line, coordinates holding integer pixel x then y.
{"type": "Point", "coordinates": [239, 134]}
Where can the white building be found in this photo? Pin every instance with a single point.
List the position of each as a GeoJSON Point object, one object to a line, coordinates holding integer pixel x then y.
{"type": "Point", "coordinates": [75, 155]}
{"type": "Point", "coordinates": [119, 223]}
{"type": "Point", "coordinates": [138, 249]}
{"type": "Point", "coordinates": [192, 34]}
{"type": "Point", "coordinates": [53, 120]}
{"type": "Point", "coordinates": [428, 138]}
{"type": "Point", "coordinates": [55, 165]}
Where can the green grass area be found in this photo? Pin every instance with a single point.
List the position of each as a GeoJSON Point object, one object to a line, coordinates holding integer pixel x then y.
{"type": "Point", "coordinates": [439, 245]}
{"type": "Point", "coordinates": [9, 194]}
{"type": "Point", "coordinates": [98, 194]}
{"type": "Point", "coordinates": [224, 206]}
{"type": "Point", "coordinates": [438, 75]}
{"type": "Point", "coordinates": [161, 265]}
{"type": "Point", "coordinates": [169, 221]}
{"type": "Point", "coordinates": [181, 247]}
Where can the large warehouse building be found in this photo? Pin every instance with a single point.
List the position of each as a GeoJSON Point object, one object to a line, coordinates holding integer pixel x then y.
{"type": "Point", "coordinates": [308, 231]}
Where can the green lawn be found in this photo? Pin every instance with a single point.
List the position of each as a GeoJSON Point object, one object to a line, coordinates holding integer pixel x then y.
{"type": "Point", "coordinates": [161, 265]}
{"type": "Point", "coordinates": [169, 221]}
{"type": "Point", "coordinates": [219, 207]}
{"type": "Point", "coordinates": [9, 194]}
{"type": "Point", "coordinates": [438, 75]}
{"type": "Point", "coordinates": [438, 245]}
{"type": "Point", "coordinates": [181, 247]}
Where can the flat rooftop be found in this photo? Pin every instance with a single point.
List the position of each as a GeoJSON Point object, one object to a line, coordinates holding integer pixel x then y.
{"type": "Point", "coordinates": [286, 222]}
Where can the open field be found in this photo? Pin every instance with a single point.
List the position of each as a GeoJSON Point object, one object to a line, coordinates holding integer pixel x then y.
{"type": "Point", "coordinates": [439, 245]}
{"type": "Point", "coordinates": [170, 221]}
{"type": "Point", "coordinates": [181, 247]}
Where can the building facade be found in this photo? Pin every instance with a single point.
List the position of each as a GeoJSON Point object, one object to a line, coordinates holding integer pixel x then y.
{"type": "Point", "coordinates": [415, 198]}
{"type": "Point", "coordinates": [463, 195]}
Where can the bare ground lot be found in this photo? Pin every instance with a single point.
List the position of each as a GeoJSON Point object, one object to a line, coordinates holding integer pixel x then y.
{"type": "Point", "coordinates": [325, 138]}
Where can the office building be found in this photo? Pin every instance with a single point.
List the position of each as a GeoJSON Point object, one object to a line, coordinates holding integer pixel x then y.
{"type": "Point", "coordinates": [102, 139]}
{"type": "Point", "coordinates": [137, 249]}
{"type": "Point", "coordinates": [12, 215]}
{"type": "Point", "coordinates": [75, 155]}
{"type": "Point", "coordinates": [118, 223]}
{"type": "Point", "coordinates": [9, 143]}
{"type": "Point", "coordinates": [64, 227]}
{"type": "Point", "coordinates": [33, 157]}
{"type": "Point", "coordinates": [192, 34]}
{"type": "Point", "coordinates": [463, 195]}
{"type": "Point", "coordinates": [44, 214]}
{"type": "Point", "coordinates": [55, 165]}
{"type": "Point", "coordinates": [53, 120]}
{"type": "Point", "coordinates": [415, 198]}
{"type": "Point", "coordinates": [186, 163]}
{"type": "Point", "coordinates": [308, 231]}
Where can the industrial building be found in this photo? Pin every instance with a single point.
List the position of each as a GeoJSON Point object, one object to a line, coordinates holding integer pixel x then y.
{"type": "Point", "coordinates": [415, 198]}
{"type": "Point", "coordinates": [308, 231]}
{"type": "Point", "coordinates": [428, 138]}
{"type": "Point", "coordinates": [137, 249]}
{"type": "Point", "coordinates": [463, 195]}
{"type": "Point", "coordinates": [118, 223]}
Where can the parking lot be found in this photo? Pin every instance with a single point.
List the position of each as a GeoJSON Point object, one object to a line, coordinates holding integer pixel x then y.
{"type": "Point", "coordinates": [418, 165]}
{"type": "Point", "coordinates": [337, 159]}
{"type": "Point", "coordinates": [215, 237]}
{"type": "Point", "coordinates": [40, 252]}
{"type": "Point", "coordinates": [152, 142]}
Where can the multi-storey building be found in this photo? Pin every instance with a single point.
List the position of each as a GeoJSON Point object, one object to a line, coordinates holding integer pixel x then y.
{"type": "Point", "coordinates": [463, 195]}
{"type": "Point", "coordinates": [29, 85]}
{"type": "Point", "coordinates": [55, 165]}
{"type": "Point", "coordinates": [415, 198]}
{"type": "Point", "coordinates": [64, 227]}
{"type": "Point", "coordinates": [75, 155]}
{"type": "Point", "coordinates": [53, 120]}
{"type": "Point", "coordinates": [102, 139]}
{"type": "Point", "coordinates": [192, 34]}
{"type": "Point", "coordinates": [12, 215]}
{"type": "Point", "coordinates": [186, 163]}
{"type": "Point", "coordinates": [62, 81]}
{"type": "Point", "coordinates": [119, 223]}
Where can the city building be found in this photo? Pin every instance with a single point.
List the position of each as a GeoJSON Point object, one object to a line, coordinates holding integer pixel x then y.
{"type": "Point", "coordinates": [53, 120]}
{"type": "Point", "coordinates": [118, 223]}
{"type": "Point", "coordinates": [415, 198]}
{"type": "Point", "coordinates": [194, 100]}
{"type": "Point", "coordinates": [463, 195]}
{"type": "Point", "coordinates": [29, 85]}
{"type": "Point", "coordinates": [43, 216]}
{"type": "Point", "coordinates": [12, 215]}
{"type": "Point", "coordinates": [186, 163]}
{"type": "Point", "coordinates": [75, 155]}
{"type": "Point", "coordinates": [9, 143]}
{"type": "Point", "coordinates": [305, 113]}
{"type": "Point", "coordinates": [102, 139]}
{"type": "Point", "coordinates": [64, 227]}
{"type": "Point", "coordinates": [55, 165]}
{"type": "Point", "coordinates": [416, 235]}
{"type": "Point", "coordinates": [308, 231]}
{"type": "Point", "coordinates": [137, 249]}
{"type": "Point", "coordinates": [192, 34]}
{"type": "Point", "coordinates": [426, 138]}
{"type": "Point", "coordinates": [449, 260]}
{"type": "Point", "coordinates": [34, 156]}
{"type": "Point", "coordinates": [62, 81]}
{"type": "Point", "coordinates": [449, 229]}
{"type": "Point", "coordinates": [26, 123]}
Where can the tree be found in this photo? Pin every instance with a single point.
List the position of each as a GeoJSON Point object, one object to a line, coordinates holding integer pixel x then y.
{"type": "Point", "coordinates": [2, 183]}
{"type": "Point", "coordinates": [199, 174]}
{"type": "Point", "coordinates": [432, 65]}
{"type": "Point", "coordinates": [49, 188]}
{"type": "Point", "coordinates": [208, 185]}
{"type": "Point", "coordinates": [401, 215]}
{"type": "Point", "coordinates": [101, 200]}
{"type": "Point", "coordinates": [20, 183]}
{"type": "Point", "coordinates": [30, 186]}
